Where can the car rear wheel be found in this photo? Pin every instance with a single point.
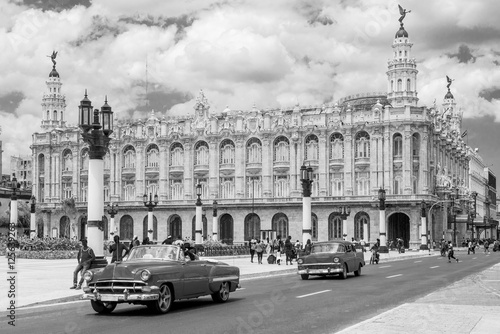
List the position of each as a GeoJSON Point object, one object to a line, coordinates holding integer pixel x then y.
{"type": "Point", "coordinates": [102, 307]}
{"type": "Point", "coordinates": [343, 274]}
{"type": "Point", "coordinates": [358, 272]}
{"type": "Point", "coordinates": [164, 302]}
{"type": "Point", "coordinates": [304, 276]}
{"type": "Point", "coordinates": [222, 295]}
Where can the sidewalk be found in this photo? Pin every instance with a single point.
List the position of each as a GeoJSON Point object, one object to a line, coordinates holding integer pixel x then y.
{"type": "Point", "coordinates": [469, 306]}
{"type": "Point", "coordinates": [48, 281]}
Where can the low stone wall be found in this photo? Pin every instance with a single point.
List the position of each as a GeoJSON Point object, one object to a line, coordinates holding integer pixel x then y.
{"type": "Point", "coordinates": [46, 255]}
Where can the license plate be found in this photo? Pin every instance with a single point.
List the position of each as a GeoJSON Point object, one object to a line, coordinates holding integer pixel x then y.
{"type": "Point", "coordinates": [109, 298]}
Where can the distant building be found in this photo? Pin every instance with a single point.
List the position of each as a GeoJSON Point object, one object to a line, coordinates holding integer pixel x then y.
{"type": "Point", "coordinates": [249, 161]}
{"type": "Point", "coordinates": [21, 166]}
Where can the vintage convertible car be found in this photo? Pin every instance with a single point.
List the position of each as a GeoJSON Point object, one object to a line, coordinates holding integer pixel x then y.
{"type": "Point", "coordinates": [331, 257]}
{"type": "Point", "coordinates": [156, 275]}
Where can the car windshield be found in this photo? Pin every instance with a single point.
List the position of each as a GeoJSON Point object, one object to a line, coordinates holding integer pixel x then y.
{"type": "Point", "coordinates": [325, 248]}
{"type": "Point", "coordinates": [166, 253]}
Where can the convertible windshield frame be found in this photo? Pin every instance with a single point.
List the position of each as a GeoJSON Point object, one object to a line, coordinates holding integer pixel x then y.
{"type": "Point", "coordinates": [153, 252]}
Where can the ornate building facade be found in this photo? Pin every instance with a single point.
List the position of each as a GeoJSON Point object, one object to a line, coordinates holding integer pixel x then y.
{"type": "Point", "coordinates": [249, 161]}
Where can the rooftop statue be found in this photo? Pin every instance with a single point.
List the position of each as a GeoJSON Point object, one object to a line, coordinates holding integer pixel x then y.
{"type": "Point", "coordinates": [449, 82]}
{"type": "Point", "coordinates": [53, 57]}
{"type": "Point", "coordinates": [403, 13]}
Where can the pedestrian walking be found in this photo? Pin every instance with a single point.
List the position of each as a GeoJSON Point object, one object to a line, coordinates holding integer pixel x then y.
{"type": "Point", "coordinates": [307, 247]}
{"type": "Point", "coordinates": [451, 252]}
{"type": "Point", "coordinates": [288, 250]}
{"type": "Point", "coordinates": [85, 258]}
{"type": "Point", "coordinates": [259, 249]}
{"type": "Point", "coordinates": [486, 245]}
{"type": "Point", "coordinates": [471, 247]}
{"type": "Point", "coordinates": [253, 243]}
{"type": "Point", "coordinates": [277, 247]}
{"type": "Point", "coordinates": [118, 250]}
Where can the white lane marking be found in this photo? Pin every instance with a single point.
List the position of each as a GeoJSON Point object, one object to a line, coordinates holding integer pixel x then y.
{"type": "Point", "coordinates": [312, 294]}
{"type": "Point", "coordinates": [434, 267]}
{"type": "Point", "coordinates": [474, 258]}
{"type": "Point", "coordinates": [384, 266]}
{"type": "Point", "coordinates": [394, 276]}
{"type": "Point", "coordinates": [490, 280]}
{"type": "Point", "coordinates": [417, 261]}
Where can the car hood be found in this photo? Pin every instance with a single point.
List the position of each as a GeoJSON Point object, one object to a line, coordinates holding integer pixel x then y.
{"type": "Point", "coordinates": [128, 269]}
{"type": "Point", "coordinates": [321, 257]}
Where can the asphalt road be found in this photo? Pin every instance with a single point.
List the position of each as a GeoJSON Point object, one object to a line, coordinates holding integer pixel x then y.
{"type": "Point", "coordinates": [278, 304]}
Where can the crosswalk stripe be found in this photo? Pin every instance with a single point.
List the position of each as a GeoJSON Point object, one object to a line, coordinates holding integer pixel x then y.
{"type": "Point", "coordinates": [312, 294]}
{"type": "Point", "coordinates": [394, 276]}
{"type": "Point", "coordinates": [434, 267]}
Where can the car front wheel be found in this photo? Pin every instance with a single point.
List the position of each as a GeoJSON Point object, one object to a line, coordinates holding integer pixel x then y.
{"type": "Point", "coordinates": [343, 274]}
{"type": "Point", "coordinates": [304, 276]}
{"type": "Point", "coordinates": [102, 307]}
{"type": "Point", "coordinates": [164, 302]}
{"type": "Point", "coordinates": [222, 295]}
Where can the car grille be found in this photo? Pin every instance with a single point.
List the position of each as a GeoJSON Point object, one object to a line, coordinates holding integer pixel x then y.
{"type": "Point", "coordinates": [319, 266]}
{"type": "Point", "coordinates": [116, 286]}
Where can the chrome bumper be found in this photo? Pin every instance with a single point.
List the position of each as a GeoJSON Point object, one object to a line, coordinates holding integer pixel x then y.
{"type": "Point", "coordinates": [120, 297]}
{"type": "Point", "coordinates": [320, 271]}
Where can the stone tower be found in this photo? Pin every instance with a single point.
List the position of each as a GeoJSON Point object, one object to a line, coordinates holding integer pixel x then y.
{"type": "Point", "coordinates": [402, 72]}
{"type": "Point", "coordinates": [53, 103]}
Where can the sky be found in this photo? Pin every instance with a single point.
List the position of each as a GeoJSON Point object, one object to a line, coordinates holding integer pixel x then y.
{"type": "Point", "coordinates": [157, 55]}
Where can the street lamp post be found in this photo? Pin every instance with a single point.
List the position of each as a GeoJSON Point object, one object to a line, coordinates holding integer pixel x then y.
{"type": "Point", "coordinates": [344, 212]}
{"type": "Point", "coordinates": [150, 204]}
{"type": "Point", "coordinates": [487, 203]}
{"type": "Point", "coordinates": [423, 233]}
{"type": "Point", "coordinates": [382, 228]}
{"type": "Point", "coordinates": [33, 231]}
{"type": "Point", "coordinates": [215, 226]}
{"type": "Point", "coordinates": [454, 196]}
{"type": "Point", "coordinates": [14, 215]}
{"type": "Point", "coordinates": [112, 211]}
{"type": "Point", "coordinates": [306, 177]}
{"type": "Point", "coordinates": [198, 226]}
{"type": "Point", "coordinates": [473, 216]}
{"type": "Point", "coordinates": [96, 127]}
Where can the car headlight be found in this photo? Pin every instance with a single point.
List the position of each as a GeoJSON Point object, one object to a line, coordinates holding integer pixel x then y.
{"type": "Point", "coordinates": [300, 261]}
{"type": "Point", "coordinates": [145, 275]}
{"type": "Point", "coordinates": [336, 260]}
{"type": "Point", "coordinates": [88, 275]}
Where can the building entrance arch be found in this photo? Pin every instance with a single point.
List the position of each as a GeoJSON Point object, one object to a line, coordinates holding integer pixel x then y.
{"type": "Point", "coordinates": [399, 227]}
{"type": "Point", "coordinates": [226, 229]}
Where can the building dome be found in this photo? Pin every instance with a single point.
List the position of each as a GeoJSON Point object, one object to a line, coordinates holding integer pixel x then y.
{"type": "Point", "coordinates": [401, 32]}
{"type": "Point", "coordinates": [448, 95]}
{"type": "Point", "coordinates": [53, 73]}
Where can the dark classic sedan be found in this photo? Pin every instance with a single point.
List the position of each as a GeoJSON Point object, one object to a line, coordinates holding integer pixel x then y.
{"type": "Point", "coordinates": [156, 275]}
{"type": "Point", "coordinates": [329, 258]}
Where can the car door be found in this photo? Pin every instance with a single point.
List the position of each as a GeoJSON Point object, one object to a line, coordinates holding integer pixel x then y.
{"type": "Point", "coordinates": [196, 277]}
{"type": "Point", "coordinates": [350, 257]}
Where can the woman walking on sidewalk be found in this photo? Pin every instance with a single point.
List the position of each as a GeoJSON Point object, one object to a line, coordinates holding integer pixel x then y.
{"type": "Point", "coordinates": [450, 252]}
{"type": "Point", "coordinates": [259, 249]}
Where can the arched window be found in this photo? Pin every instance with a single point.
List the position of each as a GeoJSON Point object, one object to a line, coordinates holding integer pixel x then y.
{"type": "Point", "coordinates": [336, 146]}
{"type": "Point", "coordinates": [415, 144]}
{"type": "Point", "coordinates": [398, 146]}
{"type": "Point", "coordinates": [55, 115]}
{"type": "Point", "coordinates": [361, 220]}
{"type": "Point", "coordinates": [129, 191]}
{"type": "Point", "coordinates": [227, 187]}
{"type": "Point", "coordinates": [334, 227]}
{"type": "Point", "coordinates": [62, 114]}
{"type": "Point", "coordinates": [281, 186]}
{"type": "Point", "coordinates": [227, 152]}
{"type": "Point", "coordinates": [129, 157]}
{"type": "Point", "coordinates": [151, 187]}
{"type": "Point", "coordinates": [337, 184]}
{"type": "Point", "coordinates": [408, 84]}
{"type": "Point", "coordinates": [312, 147]}
{"type": "Point", "coordinates": [145, 228]}
{"type": "Point", "coordinates": [400, 85]}
{"type": "Point", "coordinates": [392, 85]}
{"type": "Point", "coordinates": [201, 153]}
{"type": "Point", "coordinates": [48, 115]}
{"type": "Point", "coordinates": [363, 183]}
{"type": "Point", "coordinates": [280, 225]}
{"type": "Point", "coordinates": [204, 188]}
{"type": "Point", "coordinates": [126, 228]}
{"type": "Point", "coordinates": [281, 149]}
{"type": "Point", "coordinates": [153, 156]}
{"type": "Point", "coordinates": [176, 189]}
{"type": "Point", "coordinates": [362, 145]}
{"type": "Point", "coordinates": [254, 187]}
{"type": "Point", "coordinates": [398, 184]}
{"type": "Point", "coordinates": [254, 151]}
{"type": "Point", "coordinates": [176, 154]}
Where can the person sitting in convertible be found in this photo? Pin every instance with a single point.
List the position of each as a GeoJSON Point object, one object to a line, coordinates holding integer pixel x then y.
{"type": "Point", "coordinates": [188, 252]}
